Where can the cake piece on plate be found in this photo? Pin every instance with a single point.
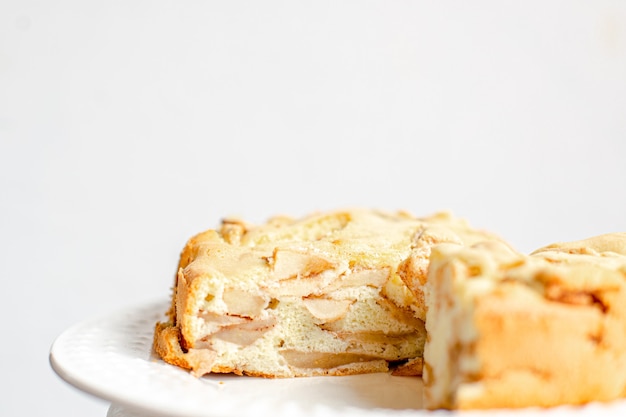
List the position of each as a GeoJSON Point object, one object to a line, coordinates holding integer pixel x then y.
{"type": "Point", "coordinates": [508, 330]}
{"type": "Point", "coordinates": [321, 295]}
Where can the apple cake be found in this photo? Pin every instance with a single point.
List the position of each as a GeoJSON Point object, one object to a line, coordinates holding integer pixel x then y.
{"type": "Point", "coordinates": [510, 330]}
{"type": "Point", "coordinates": [359, 291]}
{"type": "Point", "coordinates": [333, 293]}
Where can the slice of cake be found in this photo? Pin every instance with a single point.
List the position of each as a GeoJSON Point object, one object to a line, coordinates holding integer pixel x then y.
{"type": "Point", "coordinates": [330, 294]}
{"type": "Point", "coordinates": [508, 330]}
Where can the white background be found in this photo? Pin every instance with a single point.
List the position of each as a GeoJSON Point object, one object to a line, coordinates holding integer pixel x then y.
{"type": "Point", "coordinates": [128, 126]}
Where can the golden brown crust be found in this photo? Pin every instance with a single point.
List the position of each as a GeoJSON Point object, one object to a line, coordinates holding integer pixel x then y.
{"type": "Point", "coordinates": [610, 243]}
{"type": "Point", "coordinates": [414, 367]}
{"type": "Point", "coordinates": [167, 345]}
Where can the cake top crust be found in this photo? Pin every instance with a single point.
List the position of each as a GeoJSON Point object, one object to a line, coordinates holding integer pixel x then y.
{"type": "Point", "coordinates": [583, 272]}
{"type": "Point", "coordinates": [340, 240]}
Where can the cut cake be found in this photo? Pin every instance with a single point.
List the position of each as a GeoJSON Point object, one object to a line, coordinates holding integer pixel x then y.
{"type": "Point", "coordinates": [321, 295]}
{"type": "Point", "coordinates": [359, 291]}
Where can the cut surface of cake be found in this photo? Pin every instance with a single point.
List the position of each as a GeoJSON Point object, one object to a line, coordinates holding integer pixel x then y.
{"type": "Point", "coordinates": [509, 330]}
{"type": "Point", "coordinates": [333, 293]}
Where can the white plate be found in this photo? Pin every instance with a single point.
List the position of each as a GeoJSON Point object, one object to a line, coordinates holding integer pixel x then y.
{"type": "Point", "coordinates": [112, 358]}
